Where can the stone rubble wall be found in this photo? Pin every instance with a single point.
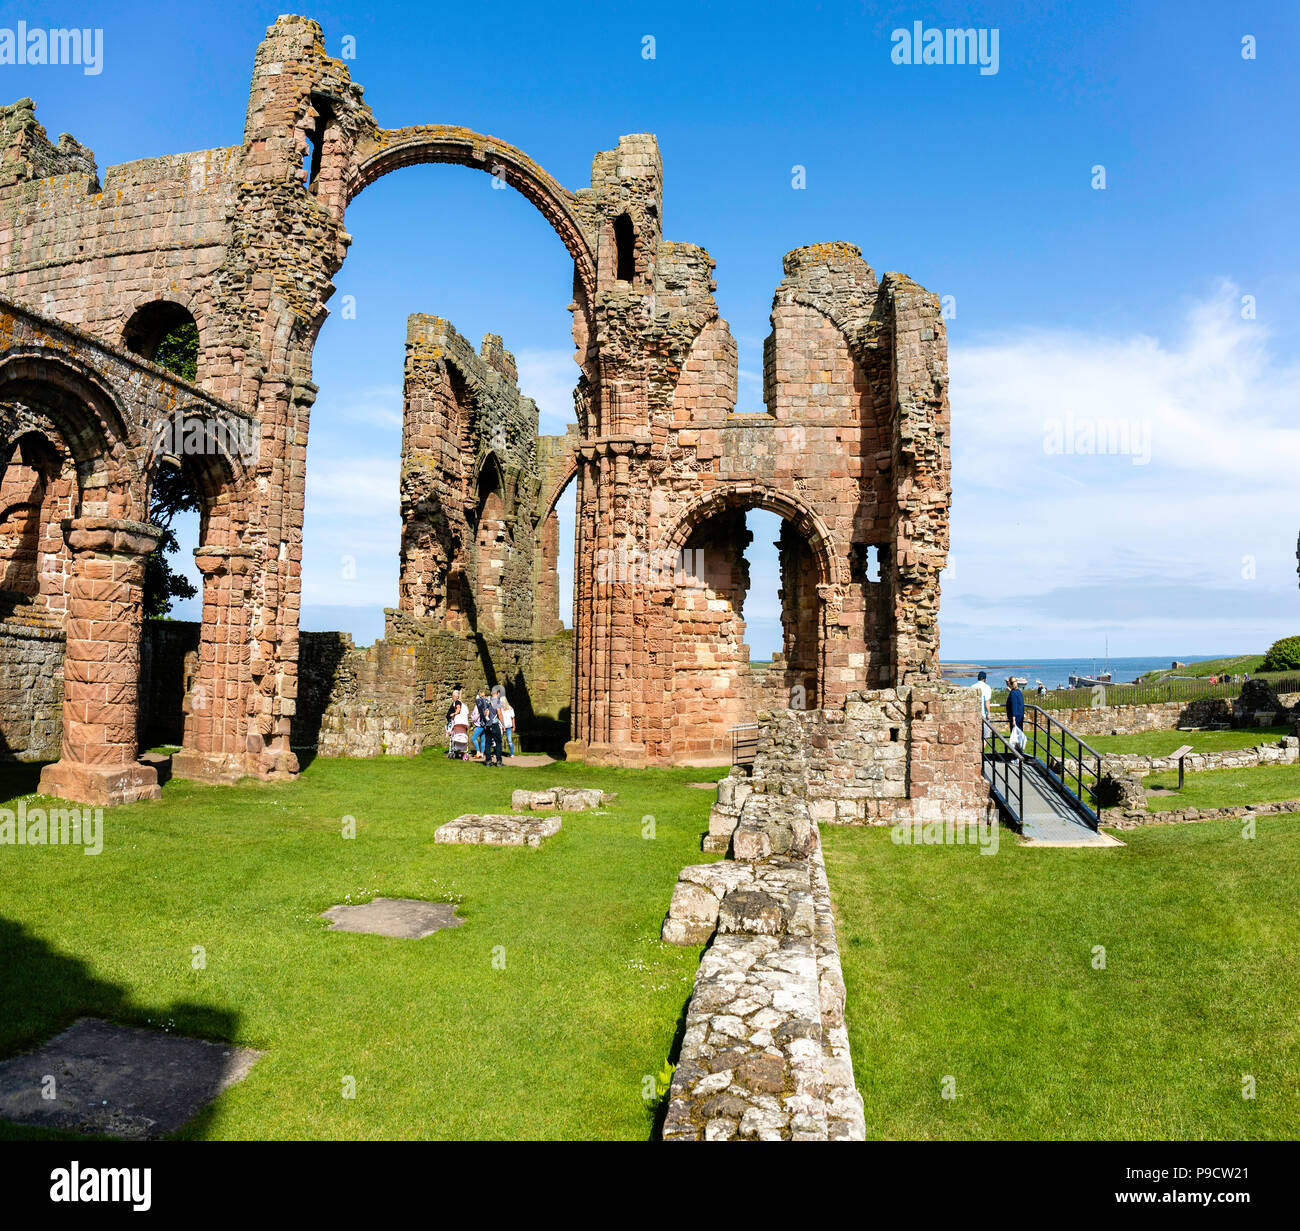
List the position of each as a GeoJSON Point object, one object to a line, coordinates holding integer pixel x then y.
{"type": "Point", "coordinates": [31, 685]}
{"type": "Point", "coordinates": [1158, 716]}
{"type": "Point", "coordinates": [1283, 752]}
{"type": "Point", "coordinates": [391, 698]}
{"type": "Point", "coordinates": [1134, 818]}
{"type": "Point", "coordinates": [168, 663]}
{"type": "Point", "coordinates": [765, 1054]}
{"type": "Point", "coordinates": [31, 692]}
{"type": "Point", "coordinates": [889, 755]}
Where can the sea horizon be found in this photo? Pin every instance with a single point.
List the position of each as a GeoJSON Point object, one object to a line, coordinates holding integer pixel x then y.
{"type": "Point", "coordinates": [1056, 672]}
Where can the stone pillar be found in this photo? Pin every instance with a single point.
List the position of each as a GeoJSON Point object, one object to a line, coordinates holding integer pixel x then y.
{"type": "Point", "coordinates": [101, 669]}
{"type": "Point", "coordinates": [215, 747]}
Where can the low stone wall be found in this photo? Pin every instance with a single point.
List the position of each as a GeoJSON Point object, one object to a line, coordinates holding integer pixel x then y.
{"type": "Point", "coordinates": [765, 1054]}
{"type": "Point", "coordinates": [1159, 716]}
{"type": "Point", "coordinates": [31, 691]}
{"type": "Point", "coordinates": [906, 754]}
{"type": "Point", "coordinates": [1283, 752]}
{"type": "Point", "coordinates": [1135, 818]}
{"type": "Point", "coordinates": [168, 659]}
{"type": "Point", "coordinates": [31, 685]}
{"type": "Point", "coordinates": [391, 698]}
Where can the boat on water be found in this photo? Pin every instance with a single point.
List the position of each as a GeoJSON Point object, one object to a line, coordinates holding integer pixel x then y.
{"type": "Point", "coordinates": [1091, 681]}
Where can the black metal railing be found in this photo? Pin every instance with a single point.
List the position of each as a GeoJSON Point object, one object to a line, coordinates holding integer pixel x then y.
{"type": "Point", "coordinates": [1065, 758]}
{"type": "Point", "coordinates": [1004, 770]}
{"type": "Point", "coordinates": [744, 743]}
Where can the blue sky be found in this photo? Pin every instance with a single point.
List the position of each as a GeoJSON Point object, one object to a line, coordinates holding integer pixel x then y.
{"type": "Point", "coordinates": [1078, 310]}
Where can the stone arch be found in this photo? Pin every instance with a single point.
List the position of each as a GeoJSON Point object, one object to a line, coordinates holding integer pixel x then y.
{"type": "Point", "coordinates": [832, 570]}
{"type": "Point", "coordinates": [77, 401]}
{"type": "Point", "coordinates": [204, 699]}
{"type": "Point", "coordinates": [36, 493]}
{"type": "Point", "coordinates": [444, 143]}
{"type": "Point", "coordinates": [567, 475]}
{"type": "Point", "coordinates": [219, 450]}
{"type": "Point", "coordinates": [151, 321]}
{"type": "Point", "coordinates": [703, 576]}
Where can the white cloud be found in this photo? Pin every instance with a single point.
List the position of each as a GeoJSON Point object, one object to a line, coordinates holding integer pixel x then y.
{"type": "Point", "coordinates": [1054, 550]}
{"type": "Point", "coordinates": [549, 378]}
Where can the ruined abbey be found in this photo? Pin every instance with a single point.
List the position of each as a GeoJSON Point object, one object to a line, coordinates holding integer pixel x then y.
{"type": "Point", "coordinates": [96, 268]}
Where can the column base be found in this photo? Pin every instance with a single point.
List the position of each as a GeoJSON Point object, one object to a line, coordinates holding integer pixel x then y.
{"type": "Point", "coordinates": [101, 785]}
{"type": "Point", "coordinates": [224, 768]}
{"type": "Point", "coordinates": [625, 756]}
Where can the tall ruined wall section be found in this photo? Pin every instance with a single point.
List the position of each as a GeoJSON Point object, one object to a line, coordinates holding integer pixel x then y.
{"type": "Point", "coordinates": [238, 238]}
{"type": "Point", "coordinates": [469, 484]}
{"type": "Point", "coordinates": [852, 452]}
{"type": "Point", "coordinates": [556, 466]}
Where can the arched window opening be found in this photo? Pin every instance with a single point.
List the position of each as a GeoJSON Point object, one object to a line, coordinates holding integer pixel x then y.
{"type": "Point", "coordinates": [30, 539]}
{"type": "Point", "coordinates": [316, 141]}
{"type": "Point", "coordinates": [625, 246]}
{"type": "Point", "coordinates": [170, 578]}
{"type": "Point", "coordinates": [747, 612]}
{"type": "Point", "coordinates": [492, 546]}
{"type": "Point", "coordinates": [166, 334]}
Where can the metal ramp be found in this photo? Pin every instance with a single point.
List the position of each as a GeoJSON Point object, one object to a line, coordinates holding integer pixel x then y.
{"type": "Point", "coordinates": [1048, 792]}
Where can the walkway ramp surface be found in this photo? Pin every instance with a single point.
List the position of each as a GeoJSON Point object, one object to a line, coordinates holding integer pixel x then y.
{"type": "Point", "coordinates": [1050, 819]}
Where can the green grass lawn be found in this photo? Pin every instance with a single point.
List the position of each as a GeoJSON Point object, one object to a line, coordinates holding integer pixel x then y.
{"type": "Point", "coordinates": [1162, 743]}
{"type": "Point", "coordinates": [980, 968]}
{"type": "Point", "coordinates": [1226, 788]}
{"type": "Point", "coordinates": [440, 1041]}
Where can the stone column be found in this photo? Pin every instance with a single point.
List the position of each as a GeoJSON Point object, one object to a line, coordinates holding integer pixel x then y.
{"type": "Point", "coordinates": [101, 669]}
{"type": "Point", "coordinates": [215, 748]}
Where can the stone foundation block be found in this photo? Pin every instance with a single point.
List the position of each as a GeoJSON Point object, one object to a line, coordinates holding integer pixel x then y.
{"type": "Point", "coordinates": [497, 829]}
{"type": "Point", "coordinates": [89, 784]}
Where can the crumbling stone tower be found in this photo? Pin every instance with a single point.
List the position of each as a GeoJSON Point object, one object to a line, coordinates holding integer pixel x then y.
{"type": "Point", "coordinates": [852, 451]}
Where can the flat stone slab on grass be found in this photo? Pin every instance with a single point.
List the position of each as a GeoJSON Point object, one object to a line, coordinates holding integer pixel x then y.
{"type": "Point", "coordinates": [119, 1081]}
{"type": "Point", "coordinates": [498, 829]}
{"type": "Point", "coordinates": [562, 799]}
{"type": "Point", "coordinates": [404, 918]}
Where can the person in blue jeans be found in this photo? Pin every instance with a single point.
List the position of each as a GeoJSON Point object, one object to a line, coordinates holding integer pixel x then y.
{"type": "Point", "coordinates": [507, 723]}
{"type": "Point", "coordinates": [489, 715]}
{"type": "Point", "coordinates": [476, 734]}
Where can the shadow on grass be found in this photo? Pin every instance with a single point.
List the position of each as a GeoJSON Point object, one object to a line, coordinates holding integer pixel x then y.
{"type": "Point", "coordinates": [18, 778]}
{"type": "Point", "coordinates": [44, 991]}
{"type": "Point", "coordinates": [660, 1106]}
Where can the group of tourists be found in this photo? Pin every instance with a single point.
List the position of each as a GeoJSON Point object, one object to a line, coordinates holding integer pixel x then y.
{"type": "Point", "coordinates": [480, 730]}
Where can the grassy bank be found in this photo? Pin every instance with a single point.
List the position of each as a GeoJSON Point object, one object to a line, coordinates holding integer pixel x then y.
{"type": "Point", "coordinates": [1226, 788]}
{"type": "Point", "coordinates": [981, 969]}
{"type": "Point", "coordinates": [1236, 665]}
{"type": "Point", "coordinates": [1162, 743]}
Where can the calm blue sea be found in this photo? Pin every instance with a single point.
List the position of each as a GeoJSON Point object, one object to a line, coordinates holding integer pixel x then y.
{"type": "Point", "coordinates": [1056, 672]}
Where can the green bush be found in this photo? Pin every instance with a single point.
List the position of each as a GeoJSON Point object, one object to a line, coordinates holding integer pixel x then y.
{"type": "Point", "coordinates": [1282, 655]}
